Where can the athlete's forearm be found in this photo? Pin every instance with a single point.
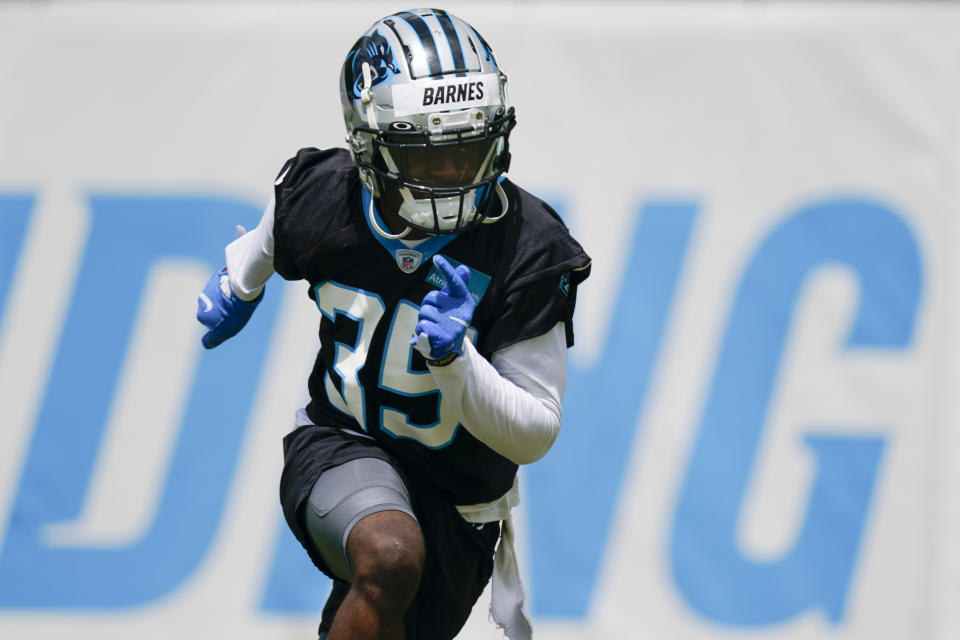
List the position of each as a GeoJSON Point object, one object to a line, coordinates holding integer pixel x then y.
{"type": "Point", "coordinates": [512, 405]}
{"type": "Point", "coordinates": [250, 258]}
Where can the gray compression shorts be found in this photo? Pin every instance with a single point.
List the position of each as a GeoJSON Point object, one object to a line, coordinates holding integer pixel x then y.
{"type": "Point", "coordinates": [341, 497]}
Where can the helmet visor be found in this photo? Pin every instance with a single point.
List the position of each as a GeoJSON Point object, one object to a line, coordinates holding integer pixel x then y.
{"type": "Point", "coordinates": [446, 166]}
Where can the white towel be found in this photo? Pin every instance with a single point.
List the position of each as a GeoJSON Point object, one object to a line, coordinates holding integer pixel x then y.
{"type": "Point", "coordinates": [506, 602]}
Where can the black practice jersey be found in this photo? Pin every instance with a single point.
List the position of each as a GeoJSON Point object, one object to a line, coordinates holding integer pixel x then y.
{"type": "Point", "coordinates": [367, 377]}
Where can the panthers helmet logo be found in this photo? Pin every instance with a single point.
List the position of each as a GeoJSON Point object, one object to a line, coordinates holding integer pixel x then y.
{"type": "Point", "coordinates": [375, 50]}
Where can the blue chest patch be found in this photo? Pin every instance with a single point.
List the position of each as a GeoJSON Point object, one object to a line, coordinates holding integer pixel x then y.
{"type": "Point", "coordinates": [477, 286]}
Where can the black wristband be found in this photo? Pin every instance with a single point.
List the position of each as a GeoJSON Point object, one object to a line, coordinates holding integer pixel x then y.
{"type": "Point", "coordinates": [444, 361]}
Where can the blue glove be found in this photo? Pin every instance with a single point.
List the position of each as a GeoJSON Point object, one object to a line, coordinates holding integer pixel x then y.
{"type": "Point", "coordinates": [221, 311]}
{"type": "Point", "coordinates": [445, 314]}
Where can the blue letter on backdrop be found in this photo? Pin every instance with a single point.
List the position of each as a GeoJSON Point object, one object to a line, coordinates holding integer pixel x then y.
{"type": "Point", "coordinates": [128, 236]}
{"type": "Point", "coordinates": [711, 572]}
{"type": "Point", "coordinates": [14, 213]}
{"type": "Point", "coordinates": [294, 585]}
{"type": "Point", "coordinates": [573, 490]}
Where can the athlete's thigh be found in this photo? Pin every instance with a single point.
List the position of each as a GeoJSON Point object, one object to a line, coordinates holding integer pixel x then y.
{"type": "Point", "coordinates": [458, 564]}
{"type": "Point", "coordinates": [343, 496]}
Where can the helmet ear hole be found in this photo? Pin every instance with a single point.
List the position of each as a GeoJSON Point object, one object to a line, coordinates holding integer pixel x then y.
{"type": "Point", "coordinates": [402, 126]}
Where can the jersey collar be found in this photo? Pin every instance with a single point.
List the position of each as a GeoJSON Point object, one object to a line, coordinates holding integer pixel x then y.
{"type": "Point", "coordinates": [408, 258]}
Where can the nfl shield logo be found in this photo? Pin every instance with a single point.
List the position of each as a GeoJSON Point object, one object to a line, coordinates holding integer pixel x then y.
{"type": "Point", "coordinates": [408, 260]}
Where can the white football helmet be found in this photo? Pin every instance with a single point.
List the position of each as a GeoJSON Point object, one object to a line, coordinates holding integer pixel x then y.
{"type": "Point", "coordinates": [428, 122]}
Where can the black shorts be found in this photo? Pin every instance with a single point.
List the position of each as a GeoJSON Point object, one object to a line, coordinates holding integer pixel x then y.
{"type": "Point", "coordinates": [459, 555]}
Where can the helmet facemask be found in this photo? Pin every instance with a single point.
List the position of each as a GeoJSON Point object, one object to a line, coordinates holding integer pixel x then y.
{"type": "Point", "coordinates": [439, 181]}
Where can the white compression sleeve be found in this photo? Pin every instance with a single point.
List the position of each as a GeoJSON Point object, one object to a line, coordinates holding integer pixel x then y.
{"type": "Point", "coordinates": [512, 405]}
{"type": "Point", "coordinates": [250, 258]}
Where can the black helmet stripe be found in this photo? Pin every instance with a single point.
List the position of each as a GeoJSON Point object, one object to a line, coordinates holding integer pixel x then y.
{"type": "Point", "coordinates": [453, 40]}
{"type": "Point", "coordinates": [426, 38]}
{"type": "Point", "coordinates": [486, 47]}
{"type": "Point", "coordinates": [407, 55]}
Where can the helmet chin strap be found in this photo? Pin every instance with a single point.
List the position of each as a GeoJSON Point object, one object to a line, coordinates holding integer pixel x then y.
{"type": "Point", "coordinates": [367, 98]}
{"type": "Point", "coordinates": [376, 226]}
{"type": "Point", "coordinates": [504, 203]}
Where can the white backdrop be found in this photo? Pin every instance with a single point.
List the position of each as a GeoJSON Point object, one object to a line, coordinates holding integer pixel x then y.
{"type": "Point", "coordinates": [760, 435]}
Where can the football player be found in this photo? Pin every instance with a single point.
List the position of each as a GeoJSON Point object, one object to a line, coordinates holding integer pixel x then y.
{"type": "Point", "coordinates": [446, 295]}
